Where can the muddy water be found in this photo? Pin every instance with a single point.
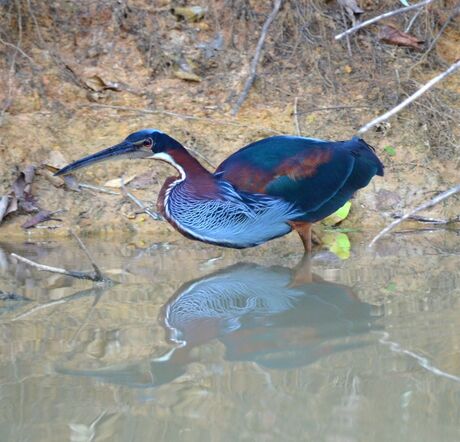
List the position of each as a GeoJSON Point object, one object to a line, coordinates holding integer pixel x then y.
{"type": "Point", "coordinates": [198, 343]}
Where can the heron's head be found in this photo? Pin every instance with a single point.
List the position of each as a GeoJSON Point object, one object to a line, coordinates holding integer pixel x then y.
{"type": "Point", "coordinates": [146, 143]}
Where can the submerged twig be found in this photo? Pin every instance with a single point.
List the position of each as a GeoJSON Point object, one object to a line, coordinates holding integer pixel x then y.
{"type": "Point", "coordinates": [380, 17]}
{"type": "Point", "coordinates": [437, 199]}
{"type": "Point", "coordinates": [255, 60]}
{"type": "Point", "coordinates": [95, 276]}
{"type": "Point", "coordinates": [410, 99]}
{"type": "Point", "coordinates": [97, 271]}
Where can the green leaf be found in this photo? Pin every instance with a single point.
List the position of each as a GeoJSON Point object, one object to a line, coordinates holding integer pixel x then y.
{"type": "Point", "coordinates": [338, 243]}
{"type": "Point", "coordinates": [390, 150]}
{"type": "Point", "coordinates": [338, 216]}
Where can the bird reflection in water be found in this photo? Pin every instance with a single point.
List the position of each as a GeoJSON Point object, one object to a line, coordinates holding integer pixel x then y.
{"type": "Point", "coordinates": [268, 315]}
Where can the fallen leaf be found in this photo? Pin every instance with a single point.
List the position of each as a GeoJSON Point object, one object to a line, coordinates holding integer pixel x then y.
{"type": "Point", "coordinates": [391, 35]}
{"type": "Point", "coordinates": [22, 191]}
{"type": "Point", "coordinates": [184, 75]}
{"type": "Point", "coordinates": [71, 182]}
{"type": "Point", "coordinates": [338, 216]}
{"type": "Point", "coordinates": [338, 244]}
{"type": "Point", "coordinates": [189, 13]}
{"type": "Point", "coordinates": [98, 84]}
{"type": "Point", "coordinates": [40, 217]}
{"type": "Point", "coordinates": [352, 9]}
{"type": "Point", "coordinates": [117, 183]}
{"type": "Point", "coordinates": [55, 160]}
{"type": "Point", "coordinates": [4, 202]}
{"type": "Point", "coordinates": [13, 206]}
{"type": "Point", "coordinates": [390, 150]}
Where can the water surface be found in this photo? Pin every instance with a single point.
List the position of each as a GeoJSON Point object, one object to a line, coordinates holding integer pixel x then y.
{"type": "Point", "coordinates": [200, 343]}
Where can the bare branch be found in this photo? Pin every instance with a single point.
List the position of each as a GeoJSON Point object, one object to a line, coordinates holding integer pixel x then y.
{"type": "Point", "coordinates": [18, 49]}
{"type": "Point", "coordinates": [154, 215]}
{"type": "Point", "coordinates": [380, 17]}
{"type": "Point", "coordinates": [437, 199]}
{"type": "Point", "coordinates": [255, 60]}
{"type": "Point", "coordinates": [97, 189]}
{"type": "Point", "coordinates": [44, 268]}
{"type": "Point", "coordinates": [97, 271]}
{"type": "Point", "coordinates": [97, 276]}
{"type": "Point", "coordinates": [412, 98]}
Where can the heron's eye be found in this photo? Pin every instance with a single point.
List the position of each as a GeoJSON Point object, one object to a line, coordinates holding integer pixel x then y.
{"type": "Point", "coordinates": [148, 142]}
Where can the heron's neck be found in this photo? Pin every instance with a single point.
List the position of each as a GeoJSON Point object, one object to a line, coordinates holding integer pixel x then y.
{"type": "Point", "coordinates": [183, 162]}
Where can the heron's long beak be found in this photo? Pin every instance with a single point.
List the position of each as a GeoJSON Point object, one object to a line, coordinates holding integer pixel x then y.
{"type": "Point", "coordinates": [122, 150]}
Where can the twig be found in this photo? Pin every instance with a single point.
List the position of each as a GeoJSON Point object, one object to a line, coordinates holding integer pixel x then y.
{"type": "Point", "coordinates": [412, 98]}
{"type": "Point", "coordinates": [412, 21]}
{"type": "Point", "coordinates": [97, 276]}
{"type": "Point", "coordinates": [97, 271]}
{"type": "Point", "coordinates": [154, 215]}
{"type": "Point", "coordinates": [380, 17]}
{"type": "Point", "coordinates": [342, 10]}
{"type": "Point", "coordinates": [44, 268]}
{"type": "Point", "coordinates": [18, 49]}
{"type": "Point", "coordinates": [328, 108]}
{"type": "Point", "coordinates": [97, 189]}
{"type": "Point", "coordinates": [296, 117]}
{"type": "Point", "coordinates": [452, 15]}
{"type": "Point", "coordinates": [428, 220]}
{"type": "Point", "coordinates": [83, 293]}
{"type": "Point", "coordinates": [255, 60]}
{"type": "Point", "coordinates": [437, 199]}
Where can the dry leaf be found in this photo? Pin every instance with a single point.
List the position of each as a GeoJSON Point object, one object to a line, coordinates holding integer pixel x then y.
{"type": "Point", "coordinates": [189, 13]}
{"type": "Point", "coordinates": [40, 217]}
{"type": "Point", "coordinates": [4, 200]}
{"type": "Point", "coordinates": [98, 84]}
{"type": "Point", "coordinates": [391, 35]}
{"type": "Point", "coordinates": [352, 9]}
{"type": "Point", "coordinates": [117, 183]}
{"type": "Point", "coordinates": [22, 191]}
{"type": "Point", "coordinates": [184, 75]}
{"type": "Point", "coordinates": [56, 161]}
{"type": "Point", "coordinates": [71, 182]}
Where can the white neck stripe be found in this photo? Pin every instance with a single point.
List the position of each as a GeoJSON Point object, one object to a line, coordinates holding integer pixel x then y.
{"type": "Point", "coordinates": [163, 156]}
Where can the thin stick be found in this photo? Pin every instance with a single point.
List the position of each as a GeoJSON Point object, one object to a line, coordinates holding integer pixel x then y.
{"type": "Point", "coordinates": [97, 271]}
{"type": "Point", "coordinates": [255, 60]}
{"type": "Point", "coordinates": [154, 215]}
{"type": "Point", "coordinates": [412, 98]}
{"type": "Point", "coordinates": [380, 17]}
{"type": "Point", "coordinates": [452, 15]}
{"type": "Point", "coordinates": [437, 199]}
{"type": "Point", "coordinates": [296, 116]}
{"type": "Point", "coordinates": [18, 49]}
{"type": "Point", "coordinates": [97, 189]}
{"type": "Point", "coordinates": [44, 268]}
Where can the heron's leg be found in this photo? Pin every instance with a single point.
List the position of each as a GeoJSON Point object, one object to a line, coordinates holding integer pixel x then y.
{"type": "Point", "coordinates": [304, 231]}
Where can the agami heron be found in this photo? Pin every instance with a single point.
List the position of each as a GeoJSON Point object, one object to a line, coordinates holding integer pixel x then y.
{"type": "Point", "coordinates": [261, 192]}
